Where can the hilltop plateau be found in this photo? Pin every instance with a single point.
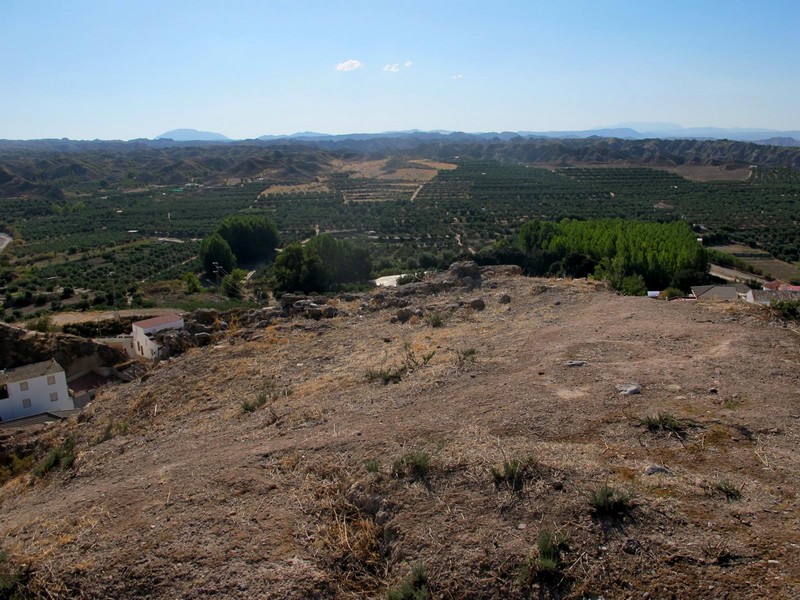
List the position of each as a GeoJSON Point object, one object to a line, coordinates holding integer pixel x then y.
{"type": "Point", "coordinates": [441, 425]}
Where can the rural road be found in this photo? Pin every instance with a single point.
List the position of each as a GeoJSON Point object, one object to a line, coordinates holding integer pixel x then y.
{"type": "Point", "coordinates": [733, 274]}
{"type": "Point", "coordinates": [102, 315]}
{"type": "Point", "coordinates": [5, 240]}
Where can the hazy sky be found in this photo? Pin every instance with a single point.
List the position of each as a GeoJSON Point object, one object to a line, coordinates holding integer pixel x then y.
{"type": "Point", "coordinates": [116, 69]}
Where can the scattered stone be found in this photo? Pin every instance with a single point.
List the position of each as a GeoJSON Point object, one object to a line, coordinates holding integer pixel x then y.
{"type": "Point", "coordinates": [631, 546]}
{"type": "Point", "coordinates": [522, 526]}
{"type": "Point", "coordinates": [574, 363]}
{"type": "Point", "coordinates": [504, 298]}
{"type": "Point", "coordinates": [418, 313]}
{"type": "Point", "coordinates": [713, 390]}
{"type": "Point", "coordinates": [477, 304]}
{"type": "Point", "coordinates": [629, 389]}
{"type": "Point", "coordinates": [206, 316]}
{"type": "Point", "coordinates": [202, 339]}
{"type": "Point", "coordinates": [328, 312]}
{"type": "Point", "coordinates": [656, 469]}
{"type": "Point", "coordinates": [467, 268]}
{"type": "Point", "coordinates": [404, 314]}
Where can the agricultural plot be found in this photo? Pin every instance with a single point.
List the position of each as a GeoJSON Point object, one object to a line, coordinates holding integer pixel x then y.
{"type": "Point", "coordinates": [456, 210]}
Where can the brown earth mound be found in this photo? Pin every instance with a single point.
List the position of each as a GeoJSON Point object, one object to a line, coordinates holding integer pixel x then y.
{"type": "Point", "coordinates": [277, 464]}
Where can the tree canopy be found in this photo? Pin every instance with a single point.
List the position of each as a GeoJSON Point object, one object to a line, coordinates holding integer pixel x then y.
{"type": "Point", "coordinates": [321, 264]}
{"type": "Point", "coordinates": [215, 249]}
{"type": "Point", "coordinates": [658, 252]}
{"type": "Point", "coordinates": [251, 237]}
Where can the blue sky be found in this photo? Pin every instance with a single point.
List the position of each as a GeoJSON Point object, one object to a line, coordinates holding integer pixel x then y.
{"type": "Point", "coordinates": [115, 69]}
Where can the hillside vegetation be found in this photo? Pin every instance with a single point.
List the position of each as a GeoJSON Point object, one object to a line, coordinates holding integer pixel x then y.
{"type": "Point", "coordinates": [460, 451]}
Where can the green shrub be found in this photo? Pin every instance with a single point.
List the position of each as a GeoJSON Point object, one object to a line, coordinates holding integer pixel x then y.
{"type": "Point", "coordinates": [665, 422]}
{"type": "Point", "coordinates": [608, 502]}
{"type": "Point", "coordinates": [786, 309]}
{"type": "Point", "coordinates": [60, 457]}
{"type": "Point", "coordinates": [414, 587]}
{"type": "Point", "coordinates": [435, 319]}
{"type": "Point", "coordinates": [372, 466]}
{"type": "Point", "coordinates": [512, 473]}
{"type": "Point", "coordinates": [415, 464]}
{"type": "Point", "coordinates": [549, 546]}
{"type": "Point", "coordinates": [727, 489]}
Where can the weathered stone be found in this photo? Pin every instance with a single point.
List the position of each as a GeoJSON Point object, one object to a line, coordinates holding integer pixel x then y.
{"type": "Point", "coordinates": [206, 316]}
{"type": "Point", "coordinates": [477, 304]}
{"type": "Point", "coordinates": [504, 298]}
{"type": "Point", "coordinates": [467, 268]}
{"type": "Point", "coordinates": [328, 312]}
{"type": "Point", "coordinates": [404, 314]}
{"type": "Point", "coordinates": [313, 312]}
{"type": "Point", "coordinates": [202, 339]}
{"type": "Point", "coordinates": [631, 546]}
{"type": "Point", "coordinates": [656, 469]}
{"type": "Point", "coordinates": [574, 363]}
{"type": "Point", "coordinates": [629, 389]}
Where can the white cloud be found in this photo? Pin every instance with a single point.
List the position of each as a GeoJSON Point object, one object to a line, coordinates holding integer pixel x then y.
{"type": "Point", "coordinates": [459, 76]}
{"type": "Point", "coordinates": [408, 63]}
{"type": "Point", "coordinates": [349, 65]}
{"type": "Point", "coordinates": [393, 68]}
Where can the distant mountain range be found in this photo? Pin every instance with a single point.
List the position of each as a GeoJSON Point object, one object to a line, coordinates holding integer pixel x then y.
{"type": "Point", "coordinates": [193, 135]}
{"type": "Point", "coordinates": [625, 131]}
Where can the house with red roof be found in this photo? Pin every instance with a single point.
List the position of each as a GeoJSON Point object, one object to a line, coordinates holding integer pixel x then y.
{"type": "Point", "coordinates": [143, 333]}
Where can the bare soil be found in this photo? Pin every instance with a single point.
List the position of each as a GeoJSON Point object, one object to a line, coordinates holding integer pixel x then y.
{"type": "Point", "coordinates": [194, 497]}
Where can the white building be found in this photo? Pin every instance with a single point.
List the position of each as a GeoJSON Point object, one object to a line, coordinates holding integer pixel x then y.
{"type": "Point", "coordinates": [144, 341]}
{"type": "Point", "coordinates": [32, 390]}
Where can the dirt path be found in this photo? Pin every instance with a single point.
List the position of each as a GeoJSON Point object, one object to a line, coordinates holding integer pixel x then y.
{"type": "Point", "coordinates": [5, 240]}
{"type": "Point", "coordinates": [733, 274]}
{"type": "Point", "coordinates": [102, 315]}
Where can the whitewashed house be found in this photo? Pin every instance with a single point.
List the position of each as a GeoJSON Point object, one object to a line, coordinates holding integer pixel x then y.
{"type": "Point", "coordinates": [33, 390]}
{"type": "Point", "coordinates": [144, 341]}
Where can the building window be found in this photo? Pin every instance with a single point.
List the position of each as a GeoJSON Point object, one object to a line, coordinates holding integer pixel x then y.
{"type": "Point", "coordinates": [23, 386]}
{"type": "Point", "coordinates": [26, 403]}
{"type": "Point", "coordinates": [54, 397]}
{"type": "Point", "coordinates": [3, 392]}
{"type": "Point", "coordinates": [51, 380]}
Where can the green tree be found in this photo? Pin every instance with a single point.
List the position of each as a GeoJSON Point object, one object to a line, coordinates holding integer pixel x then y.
{"type": "Point", "coordinates": [298, 270]}
{"type": "Point", "coordinates": [232, 284]}
{"type": "Point", "coordinates": [192, 282]}
{"type": "Point", "coordinates": [215, 249]}
{"type": "Point", "coordinates": [251, 237]}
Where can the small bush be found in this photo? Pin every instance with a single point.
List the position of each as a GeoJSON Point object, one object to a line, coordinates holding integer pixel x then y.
{"type": "Point", "coordinates": [727, 489]}
{"type": "Point", "coordinates": [786, 309]}
{"type": "Point", "coordinates": [665, 422]}
{"type": "Point", "coordinates": [549, 546]}
{"type": "Point", "coordinates": [512, 473]}
{"type": "Point", "coordinates": [386, 376]}
{"type": "Point", "coordinates": [372, 466]}
{"type": "Point", "coordinates": [270, 394]}
{"type": "Point", "coordinates": [11, 584]}
{"type": "Point", "coordinates": [411, 278]}
{"type": "Point", "coordinates": [107, 434]}
{"type": "Point", "coordinates": [415, 464]}
{"type": "Point", "coordinates": [435, 319]}
{"type": "Point", "coordinates": [608, 502]}
{"type": "Point", "coordinates": [414, 587]}
{"type": "Point", "coordinates": [60, 457]}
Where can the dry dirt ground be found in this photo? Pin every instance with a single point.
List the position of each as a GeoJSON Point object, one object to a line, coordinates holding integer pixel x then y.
{"type": "Point", "coordinates": [177, 492]}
